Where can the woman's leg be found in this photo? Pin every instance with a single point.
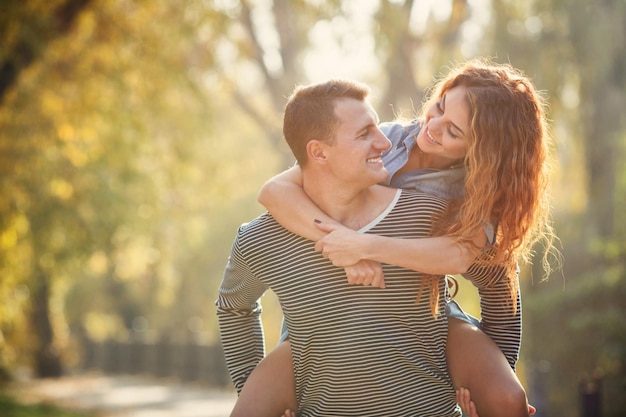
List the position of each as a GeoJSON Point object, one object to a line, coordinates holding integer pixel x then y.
{"type": "Point", "coordinates": [475, 362]}
{"type": "Point", "coordinates": [270, 388]}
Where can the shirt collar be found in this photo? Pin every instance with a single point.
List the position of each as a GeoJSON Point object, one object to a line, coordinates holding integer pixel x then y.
{"type": "Point", "coordinates": [413, 129]}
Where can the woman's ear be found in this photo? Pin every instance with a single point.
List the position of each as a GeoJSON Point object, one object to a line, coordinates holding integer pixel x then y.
{"type": "Point", "coordinates": [315, 151]}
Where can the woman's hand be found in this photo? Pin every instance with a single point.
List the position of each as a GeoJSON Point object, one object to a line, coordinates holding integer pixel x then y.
{"type": "Point", "coordinates": [340, 245]}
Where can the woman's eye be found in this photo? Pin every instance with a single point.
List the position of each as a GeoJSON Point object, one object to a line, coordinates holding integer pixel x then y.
{"type": "Point", "coordinates": [438, 105]}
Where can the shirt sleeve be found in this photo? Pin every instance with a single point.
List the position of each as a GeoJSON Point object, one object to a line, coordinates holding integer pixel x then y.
{"type": "Point", "coordinates": [499, 319]}
{"type": "Point", "coordinates": [239, 317]}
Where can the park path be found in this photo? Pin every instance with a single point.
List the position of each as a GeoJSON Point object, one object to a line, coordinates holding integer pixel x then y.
{"type": "Point", "coordinates": [121, 396]}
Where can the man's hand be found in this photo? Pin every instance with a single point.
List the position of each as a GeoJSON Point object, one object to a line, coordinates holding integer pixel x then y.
{"type": "Point", "coordinates": [366, 272]}
{"type": "Point", "coordinates": [341, 247]}
{"type": "Point", "coordinates": [468, 407]}
{"type": "Point", "coordinates": [466, 403]}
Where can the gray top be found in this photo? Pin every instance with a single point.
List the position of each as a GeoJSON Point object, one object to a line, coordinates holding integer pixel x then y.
{"type": "Point", "coordinates": [447, 183]}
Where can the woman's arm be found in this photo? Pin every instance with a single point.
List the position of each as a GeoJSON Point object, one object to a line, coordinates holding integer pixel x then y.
{"type": "Point", "coordinates": [435, 255]}
{"type": "Point", "coordinates": [283, 196]}
{"type": "Point", "coordinates": [438, 256]}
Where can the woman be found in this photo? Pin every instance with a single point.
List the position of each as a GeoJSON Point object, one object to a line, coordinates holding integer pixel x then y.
{"type": "Point", "coordinates": [482, 143]}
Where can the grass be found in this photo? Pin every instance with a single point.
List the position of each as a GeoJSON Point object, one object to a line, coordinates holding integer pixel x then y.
{"type": "Point", "coordinates": [9, 407]}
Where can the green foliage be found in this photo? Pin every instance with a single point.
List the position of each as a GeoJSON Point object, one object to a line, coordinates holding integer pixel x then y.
{"type": "Point", "coordinates": [113, 180]}
{"type": "Point", "coordinates": [11, 408]}
{"type": "Point", "coordinates": [587, 322]}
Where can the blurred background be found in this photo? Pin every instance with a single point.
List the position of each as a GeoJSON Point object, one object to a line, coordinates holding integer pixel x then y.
{"type": "Point", "coordinates": [134, 136]}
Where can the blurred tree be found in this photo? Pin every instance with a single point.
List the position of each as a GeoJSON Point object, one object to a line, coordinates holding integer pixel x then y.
{"type": "Point", "coordinates": [133, 139]}
{"type": "Point", "coordinates": [267, 41]}
{"type": "Point", "coordinates": [575, 51]}
{"type": "Point", "coordinates": [396, 45]}
{"type": "Point", "coordinates": [26, 28]}
{"type": "Point", "coordinates": [115, 183]}
{"type": "Point", "coordinates": [112, 193]}
{"type": "Point", "coordinates": [275, 52]}
{"type": "Point", "coordinates": [99, 141]}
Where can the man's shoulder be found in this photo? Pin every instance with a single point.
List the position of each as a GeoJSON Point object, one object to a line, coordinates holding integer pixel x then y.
{"type": "Point", "coordinates": [420, 196]}
{"type": "Point", "coordinates": [410, 215]}
{"type": "Point", "coordinates": [260, 224]}
{"type": "Point", "coordinates": [415, 204]}
{"type": "Point", "coordinates": [261, 229]}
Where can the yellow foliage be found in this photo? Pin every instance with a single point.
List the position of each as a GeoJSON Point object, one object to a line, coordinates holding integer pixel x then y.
{"type": "Point", "coordinates": [61, 188]}
{"type": "Point", "coordinates": [52, 104]}
{"type": "Point", "coordinates": [8, 239]}
{"type": "Point", "coordinates": [16, 227]}
{"type": "Point", "coordinates": [66, 132]}
{"type": "Point", "coordinates": [98, 263]}
{"type": "Point", "coordinates": [77, 157]}
{"type": "Point", "coordinates": [100, 326]}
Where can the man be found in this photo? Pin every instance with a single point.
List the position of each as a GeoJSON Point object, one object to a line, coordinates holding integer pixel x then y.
{"type": "Point", "coordinates": [357, 351]}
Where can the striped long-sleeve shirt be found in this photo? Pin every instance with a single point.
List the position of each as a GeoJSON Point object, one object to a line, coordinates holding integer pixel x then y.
{"type": "Point", "coordinates": [499, 319]}
{"type": "Point", "coordinates": [357, 351]}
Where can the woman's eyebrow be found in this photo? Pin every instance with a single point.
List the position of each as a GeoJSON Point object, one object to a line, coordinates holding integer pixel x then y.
{"type": "Point", "coordinates": [443, 107]}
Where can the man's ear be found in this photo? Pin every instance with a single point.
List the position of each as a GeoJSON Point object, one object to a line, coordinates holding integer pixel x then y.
{"type": "Point", "coordinates": [315, 150]}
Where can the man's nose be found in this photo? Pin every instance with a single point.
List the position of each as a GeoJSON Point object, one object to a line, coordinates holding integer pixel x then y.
{"type": "Point", "coordinates": [382, 142]}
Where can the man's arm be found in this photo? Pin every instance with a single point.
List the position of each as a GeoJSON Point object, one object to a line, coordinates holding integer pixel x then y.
{"type": "Point", "coordinates": [238, 312]}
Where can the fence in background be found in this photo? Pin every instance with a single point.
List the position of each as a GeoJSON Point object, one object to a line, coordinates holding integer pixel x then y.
{"type": "Point", "coordinates": [187, 362]}
{"type": "Point", "coordinates": [192, 362]}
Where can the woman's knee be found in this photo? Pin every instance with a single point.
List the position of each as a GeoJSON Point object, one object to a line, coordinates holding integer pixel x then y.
{"type": "Point", "coordinates": [510, 402]}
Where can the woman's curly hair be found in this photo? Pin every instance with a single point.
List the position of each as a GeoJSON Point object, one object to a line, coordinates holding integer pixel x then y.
{"type": "Point", "coordinates": [508, 165]}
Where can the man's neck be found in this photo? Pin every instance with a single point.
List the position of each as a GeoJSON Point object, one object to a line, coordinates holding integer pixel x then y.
{"type": "Point", "coordinates": [353, 209]}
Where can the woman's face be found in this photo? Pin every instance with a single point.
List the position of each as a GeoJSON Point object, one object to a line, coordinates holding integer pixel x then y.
{"type": "Point", "coordinates": [446, 129]}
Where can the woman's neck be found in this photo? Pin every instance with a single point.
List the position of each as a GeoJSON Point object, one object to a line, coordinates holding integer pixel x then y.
{"type": "Point", "coordinates": [420, 160]}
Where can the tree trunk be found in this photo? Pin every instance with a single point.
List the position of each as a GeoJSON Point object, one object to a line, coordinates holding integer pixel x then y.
{"type": "Point", "coordinates": [47, 359]}
{"type": "Point", "coordinates": [31, 44]}
{"type": "Point", "coordinates": [601, 152]}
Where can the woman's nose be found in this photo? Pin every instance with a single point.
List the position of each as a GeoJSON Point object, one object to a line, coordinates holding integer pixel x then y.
{"type": "Point", "coordinates": [434, 124]}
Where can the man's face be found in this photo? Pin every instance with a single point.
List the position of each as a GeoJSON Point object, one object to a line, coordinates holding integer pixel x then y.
{"type": "Point", "coordinates": [355, 156]}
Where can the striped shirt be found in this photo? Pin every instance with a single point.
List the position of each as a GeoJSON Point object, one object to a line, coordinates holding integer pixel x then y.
{"type": "Point", "coordinates": [357, 351]}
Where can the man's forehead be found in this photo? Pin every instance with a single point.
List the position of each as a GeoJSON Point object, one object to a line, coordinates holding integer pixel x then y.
{"type": "Point", "coordinates": [349, 109]}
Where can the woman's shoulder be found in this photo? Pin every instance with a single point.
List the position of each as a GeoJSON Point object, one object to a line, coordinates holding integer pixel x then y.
{"type": "Point", "coordinates": [400, 129]}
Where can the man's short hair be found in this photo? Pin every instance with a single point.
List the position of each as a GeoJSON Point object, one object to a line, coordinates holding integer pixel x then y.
{"type": "Point", "coordinates": [310, 112]}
